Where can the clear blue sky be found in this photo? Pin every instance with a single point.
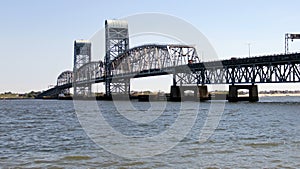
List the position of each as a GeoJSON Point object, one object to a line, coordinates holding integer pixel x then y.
{"type": "Point", "coordinates": [37, 36]}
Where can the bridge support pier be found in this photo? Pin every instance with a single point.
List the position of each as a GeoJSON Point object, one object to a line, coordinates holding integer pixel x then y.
{"type": "Point", "coordinates": [233, 93]}
{"type": "Point", "coordinates": [177, 93]}
{"type": "Point", "coordinates": [203, 93]}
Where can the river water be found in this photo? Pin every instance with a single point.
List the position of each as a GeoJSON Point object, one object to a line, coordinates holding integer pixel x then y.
{"type": "Point", "coordinates": [48, 134]}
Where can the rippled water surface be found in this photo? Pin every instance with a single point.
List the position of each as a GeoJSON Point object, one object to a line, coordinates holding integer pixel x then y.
{"type": "Point", "coordinates": [47, 133]}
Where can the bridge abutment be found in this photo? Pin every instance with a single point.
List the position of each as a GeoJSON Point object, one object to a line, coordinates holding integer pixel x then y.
{"type": "Point", "coordinates": [233, 93]}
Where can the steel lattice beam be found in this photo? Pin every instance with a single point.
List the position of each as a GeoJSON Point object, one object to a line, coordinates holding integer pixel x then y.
{"type": "Point", "coordinates": [82, 56]}
{"type": "Point", "coordinates": [64, 78]}
{"type": "Point", "coordinates": [153, 60]}
{"type": "Point", "coordinates": [116, 42]}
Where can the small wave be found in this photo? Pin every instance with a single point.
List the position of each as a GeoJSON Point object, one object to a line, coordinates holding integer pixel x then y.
{"type": "Point", "coordinates": [258, 145]}
{"type": "Point", "coordinates": [282, 166]}
{"type": "Point", "coordinates": [44, 161]}
{"type": "Point", "coordinates": [212, 167]}
{"type": "Point", "coordinates": [225, 151]}
{"type": "Point", "coordinates": [248, 138]}
{"type": "Point", "coordinates": [77, 158]}
{"type": "Point", "coordinates": [220, 129]}
{"type": "Point", "coordinates": [276, 161]}
{"type": "Point", "coordinates": [219, 152]}
{"type": "Point", "coordinates": [189, 155]}
{"type": "Point", "coordinates": [109, 164]}
{"type": "Point", "coordinates": [136, 163]}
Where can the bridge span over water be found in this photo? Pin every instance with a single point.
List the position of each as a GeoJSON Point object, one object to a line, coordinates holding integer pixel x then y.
{"type": "Point", "coordinates": [122, 63]}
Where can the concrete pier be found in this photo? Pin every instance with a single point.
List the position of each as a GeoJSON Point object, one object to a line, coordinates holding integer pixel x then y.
{"type": "Point", "coordinates": [200, 92]}
{"type": "Point", "coordinates": [175, 93]}
{"type": "Point", "coordinates": [203, 93]}
{"type": "Point", "coordinates": [233, 93]}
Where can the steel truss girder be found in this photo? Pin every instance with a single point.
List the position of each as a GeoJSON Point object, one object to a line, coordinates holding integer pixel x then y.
{"type": "Point", "coordinates": [120, 86]}
{"type": "Point", "coordinates": [84, 90]}
{"type": "Point", "coordinates": [153, 57]}
{"type": "Point", "coordinates": [186, 78]}
{"type": "Point", "coordinates": [90, 71]}
{"type": "Point", "coordinates": [266, 69]}
{"type": "Point", "coordinates": [270, 73]}
{"type": "Point", "coordinates": [64, 78]}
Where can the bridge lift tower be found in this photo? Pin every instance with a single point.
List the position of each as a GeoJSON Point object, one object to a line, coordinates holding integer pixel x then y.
{"type": "Point", "coordinates": [292, 37]}
{"type": "Point", "coordinates": [82, 55]}
{"type": "Point", "coordinates": [116, 42]}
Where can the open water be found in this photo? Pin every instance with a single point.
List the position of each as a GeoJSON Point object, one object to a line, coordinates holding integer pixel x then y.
{"type": "Point", "coordinates": [48, 134]}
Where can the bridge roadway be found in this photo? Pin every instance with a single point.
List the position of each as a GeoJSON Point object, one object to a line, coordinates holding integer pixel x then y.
{"type": "Point", "coordinates": [281, 68]}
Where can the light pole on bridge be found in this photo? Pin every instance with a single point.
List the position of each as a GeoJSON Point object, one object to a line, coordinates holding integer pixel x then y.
{"type": "Point", "coordinates": [249, 48]}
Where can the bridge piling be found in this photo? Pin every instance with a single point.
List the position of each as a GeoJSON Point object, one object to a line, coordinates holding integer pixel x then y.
{"type": "Point", "coordinates": [200, 92]}
{"type": "Point", "coordinates": [203, 93]}
{"type": "Point", "coordinates": [233, 93]}
{"type": "Point", "coordinates": [175, 93]}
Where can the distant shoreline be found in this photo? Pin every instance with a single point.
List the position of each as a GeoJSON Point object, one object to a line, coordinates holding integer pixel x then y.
{"type": "Point", "coordinates": [17, 98]}
{"type": "Point", "coordinates": [275, 95]}
{"type": "Point", "coordinates": [240, 95]}
{"type": "Point", "coordinates": [279, 95]}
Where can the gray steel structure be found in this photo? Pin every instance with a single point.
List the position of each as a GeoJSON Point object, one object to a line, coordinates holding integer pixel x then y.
{"type": "Point", "coordinates": [88, 72]}
{"type": "Point", "coordinates": [283, 68]}
{"type": "Point", "coordinates": [116, 42]}
{"type": "Point", "coordinates": [65, 77]}
{"type": "Point", "coordinates": [121, 64]}
{"type": "Point", "coordinates": [290, 36]}
{"type": "Point", "coordinates": [141, 61]}
{"type": "Point", "coordinates": [183, 62]}
{"type": "Point", "coordinates": [82, 56]}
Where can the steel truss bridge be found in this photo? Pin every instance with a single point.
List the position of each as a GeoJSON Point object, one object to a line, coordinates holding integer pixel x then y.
{"type": "Point", "coordinates": [123, 63]}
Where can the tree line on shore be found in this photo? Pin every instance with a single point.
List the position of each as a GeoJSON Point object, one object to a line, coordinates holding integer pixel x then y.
{"type": "Point", "coordinates": [11, 95]}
